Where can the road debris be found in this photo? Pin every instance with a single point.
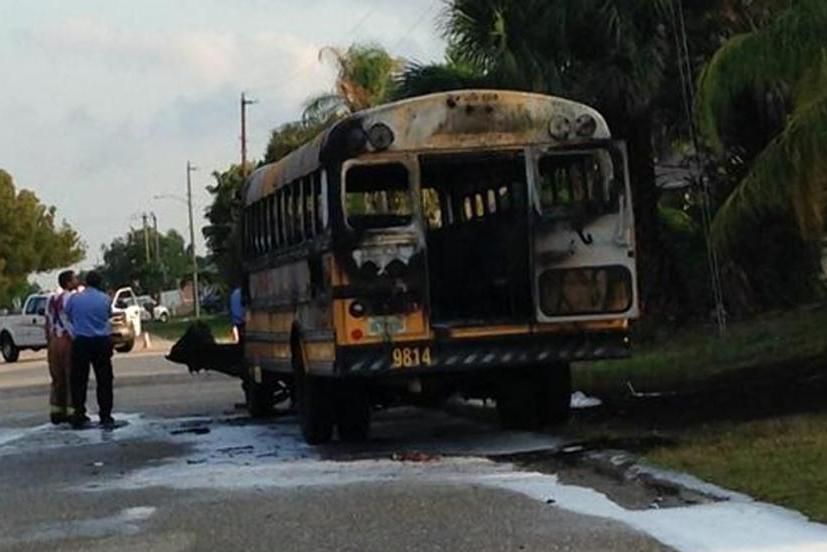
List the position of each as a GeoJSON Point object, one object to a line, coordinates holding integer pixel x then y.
{"type": "Point", "coordinates": [580, 400]}
{"type": "Point", "coordinates": [192, 430]}
{"type": "Point", "coordinates": [415, 457]}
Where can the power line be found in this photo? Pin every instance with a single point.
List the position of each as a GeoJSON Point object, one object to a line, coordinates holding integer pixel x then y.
{"type": "Point", "coordinates": [416, 24]}
{"type": "Point", "coordinates": [290, 78]}
{"type": "Point", "coordinates": [686, 72]}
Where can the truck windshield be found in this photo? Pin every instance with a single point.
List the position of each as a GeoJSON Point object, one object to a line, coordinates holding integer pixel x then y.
{"type": "Point", "coordinates": [577, 183]}
{"type": "Point", "coordinates": [378, 196]}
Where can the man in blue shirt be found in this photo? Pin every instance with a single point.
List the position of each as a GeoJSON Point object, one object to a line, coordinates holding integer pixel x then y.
{"type": "Point", "coordinates": [238, 314]}
{"type": "Point", "coordinates": [89, 312]}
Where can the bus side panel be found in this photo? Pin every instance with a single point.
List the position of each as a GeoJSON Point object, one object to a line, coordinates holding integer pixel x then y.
{"type": "Point", "coordinates": [282, 300]}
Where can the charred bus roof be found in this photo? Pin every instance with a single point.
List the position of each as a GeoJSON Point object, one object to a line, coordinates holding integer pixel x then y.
{"type": "Point", "coordinates": [446, 121]}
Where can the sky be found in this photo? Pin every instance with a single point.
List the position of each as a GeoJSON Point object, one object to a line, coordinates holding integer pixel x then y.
{"type": "Point", "coordinates": [103, 102]}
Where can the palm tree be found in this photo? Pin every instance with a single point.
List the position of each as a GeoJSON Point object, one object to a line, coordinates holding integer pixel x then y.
{"type": "Point", "coordinates": [608, 53]}
{"type": "Point", "coordinates": [364, 79]}
{"type": "Point", "coordinates": [785, 65]}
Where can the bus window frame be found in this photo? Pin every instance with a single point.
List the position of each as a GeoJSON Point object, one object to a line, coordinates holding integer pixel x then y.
{"type": "Point", "coordinates": [320, 191]}
{"type": "Point", "coordinates": [298, 212]}
{"type": "Point", "coordinates": [411, 164]}
{"type": "Point", "coordinates": [614, 148]}
{"type": "Point", "coordinates": [308, 210]}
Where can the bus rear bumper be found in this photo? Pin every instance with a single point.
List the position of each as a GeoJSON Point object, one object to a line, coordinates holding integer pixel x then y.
{"type": "Point", "coordinates": [477, 354]}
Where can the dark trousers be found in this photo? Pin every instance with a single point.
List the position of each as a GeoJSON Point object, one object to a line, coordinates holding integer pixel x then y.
{"type": "Point", "coordinates": [97, 352]}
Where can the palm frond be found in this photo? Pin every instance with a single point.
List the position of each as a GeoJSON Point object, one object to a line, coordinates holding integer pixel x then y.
{"type": "Point", "coordinates": [781, 52]}
{"type": "Point", "coordinates": [789, 176]}
{"type": "Point", "coordinates": [418, 79]}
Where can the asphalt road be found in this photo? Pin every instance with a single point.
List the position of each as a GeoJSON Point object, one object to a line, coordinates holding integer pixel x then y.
{"type": "Point", "coordinates": [189, 471]}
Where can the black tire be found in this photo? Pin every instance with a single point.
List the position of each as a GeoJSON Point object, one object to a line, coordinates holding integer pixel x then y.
{"type": "Point", "coordinates": [353, 414]}
{"type": "Point", "coordinates": [519, 402]}
{"type": "Point", "coordinates": [126, 347]}
{"type": "Point", "coordinates": [164, 318]}
{"type": "Point", "coordinates": [9, 350]}
{"type": "Point", "coordinates": [314, 402]}
{"type": "Point", "coordinates": [535, 398]}
{"type": "Point", "coordinates": [259, 399]}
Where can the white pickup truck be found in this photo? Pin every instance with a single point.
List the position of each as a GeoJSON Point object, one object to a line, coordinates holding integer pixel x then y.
{"type": "Point", "coordinates": [27, 330]}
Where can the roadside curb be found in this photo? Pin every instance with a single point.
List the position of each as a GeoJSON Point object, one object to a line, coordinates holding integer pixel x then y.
{"type": "Point", "coordinates": [617, 464]}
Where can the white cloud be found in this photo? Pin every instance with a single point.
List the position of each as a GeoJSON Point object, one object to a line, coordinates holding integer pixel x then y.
{"type": "Point", "coordinates": [108, 99]}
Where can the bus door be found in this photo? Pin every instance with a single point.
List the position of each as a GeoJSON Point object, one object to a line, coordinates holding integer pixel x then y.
{"type": "Point", "coordinates": [385, 258]}
{"type": "Point", "coordinates": [583, 234]}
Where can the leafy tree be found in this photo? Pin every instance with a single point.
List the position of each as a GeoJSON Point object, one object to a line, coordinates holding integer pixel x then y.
{"type": "Point", "coordinates": [621, 57]}
{"type": "Point", "coordinates": [125, 262]}
{"type": "Point", "coordinates": [289, 137]}
{"type": "Point", "coordinates": [364, 79]}
{"type": "Point", "coordinates": [31, 239]}
{"type": "Point", "coordinates": [223, 233]}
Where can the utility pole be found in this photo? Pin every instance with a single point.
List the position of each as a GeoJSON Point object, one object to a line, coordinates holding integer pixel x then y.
{"type": "Point", "coordinates": [146, 236]}
{"type": "Point", "coordinates": [195, 302]}
{"type": "Point", "coordinates": [157, 237]}
{"type": "Point", "coordinates": [158, 252]}
{"type": "Point", "coordinates": [244, 103]}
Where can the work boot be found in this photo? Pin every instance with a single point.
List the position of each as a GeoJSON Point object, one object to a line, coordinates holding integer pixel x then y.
{"type": "Point", "coordinates": [107, 422]}
{"type": "Point", "coordinates": [80, 421]}
{"type": "Point", "coordinates": [59, 418]}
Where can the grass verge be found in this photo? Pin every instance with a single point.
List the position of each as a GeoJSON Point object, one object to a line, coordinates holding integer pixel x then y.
{"type": "Point", "coordinates": [746, 411]}
{"type": "Point", "coordinates": [173, 330]}
{"type": "Point", "coordinates": [779, 460]}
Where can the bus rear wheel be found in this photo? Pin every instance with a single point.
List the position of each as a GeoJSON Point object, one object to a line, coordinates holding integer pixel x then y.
{"type": "Point", "coordinates": [314, 402]}
{"type": "Point", "coordinates": [259, 399]}
{"type": "Point", "coordinates": [532, 399]}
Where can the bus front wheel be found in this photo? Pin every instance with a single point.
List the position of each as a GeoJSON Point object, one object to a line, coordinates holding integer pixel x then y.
{"type": "Point", "coordinates": [353, 413]}
{"type": "Point", "coordinates": [314, 402]}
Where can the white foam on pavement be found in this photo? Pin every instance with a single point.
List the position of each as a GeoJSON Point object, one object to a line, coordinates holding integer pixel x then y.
{"type": "Point", "coordinates": [8, 436]}
{"type": "Point", "coordinates": [728, 526]}
{"type": "Point", "coordinates": [49, 436]}
{"type": "Point", "coordinates": [236, 458]}
{"type": "Point", "coordinates": [235, 454]}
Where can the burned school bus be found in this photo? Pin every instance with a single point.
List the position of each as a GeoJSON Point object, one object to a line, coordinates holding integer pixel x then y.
{"type": "Point", "coordinates": [472, 242]}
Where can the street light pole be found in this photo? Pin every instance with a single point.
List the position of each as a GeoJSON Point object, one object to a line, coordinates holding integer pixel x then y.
{"type": "Point", "coordinates": [195, 302]}
{"type": "Point", "coordinates": [158, 250]}
{"type": "Point", "coordinates": [244, 103]}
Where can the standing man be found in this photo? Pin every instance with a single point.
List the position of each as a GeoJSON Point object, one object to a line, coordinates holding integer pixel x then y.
{"type": "Point", "coordinates": [238, 314]}
{"type": "Point", "coordinates": [89, 312]}
{"type": "Point", "coordinates": [59, 340]}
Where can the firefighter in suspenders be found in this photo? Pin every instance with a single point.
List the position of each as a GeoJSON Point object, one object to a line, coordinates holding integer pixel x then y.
{"type": "Point", "coordinates": [59, 338]}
